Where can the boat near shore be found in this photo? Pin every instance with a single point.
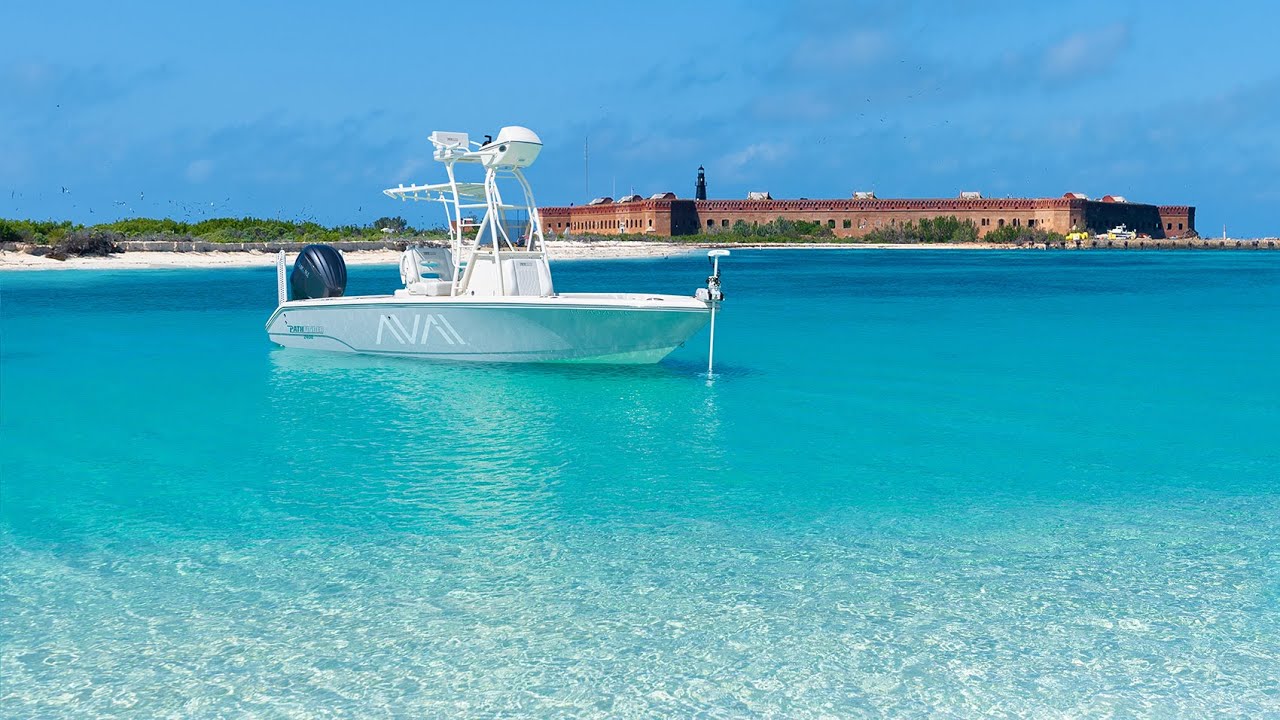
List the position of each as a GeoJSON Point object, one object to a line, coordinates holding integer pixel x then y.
{"type": "Point", "coordinates": [489, 296]}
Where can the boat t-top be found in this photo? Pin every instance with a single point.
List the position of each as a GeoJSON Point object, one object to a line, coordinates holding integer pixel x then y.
{"type": "Point", "coordinates": [489, 296]}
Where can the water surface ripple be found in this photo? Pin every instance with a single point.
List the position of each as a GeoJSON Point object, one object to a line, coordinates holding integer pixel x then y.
{"type": "Point", "coordinates": [923, 484]}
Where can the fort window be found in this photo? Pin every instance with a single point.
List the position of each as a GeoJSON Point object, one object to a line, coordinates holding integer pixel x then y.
{"type": "Point", "coordinates": [1000, 222]}
{"type": "Point", "coordinates": [650, 222]}
{"type": "Point", "coordinates": [831, 224]}
{"type": "Point", "coordinates": [710, 222]}
{"type": "Point", "coordinates": [1179, 226]}
{"type": "Point", "coordinates": [1168, 226]}
{"type": "Point", "coordinates": [1031, 222]}
{"type": "Point", "coordinates": [848, 223]}
{"type": "Point", "coordinates": [1016, 222]}
{"type": "Point", "coordinates": [724, 222]}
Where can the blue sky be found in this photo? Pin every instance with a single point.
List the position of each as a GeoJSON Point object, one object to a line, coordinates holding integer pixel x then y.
{"type": "Point", "coordinates": [193, 110]}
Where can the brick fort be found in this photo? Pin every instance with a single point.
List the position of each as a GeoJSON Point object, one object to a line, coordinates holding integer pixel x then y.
{"type": "Point", "coordinates": [665, 214]}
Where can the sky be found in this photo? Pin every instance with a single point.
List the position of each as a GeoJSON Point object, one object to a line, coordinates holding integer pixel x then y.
{"type": "Point", "coordinates": [307, 111]}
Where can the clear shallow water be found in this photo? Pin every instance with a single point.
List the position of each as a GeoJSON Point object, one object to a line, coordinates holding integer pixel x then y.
{"type": "Point", "coordinates": [925, 483]}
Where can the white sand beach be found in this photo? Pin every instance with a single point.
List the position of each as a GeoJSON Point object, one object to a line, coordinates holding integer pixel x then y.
{"type": "Point", "coordinates": [559, 250]}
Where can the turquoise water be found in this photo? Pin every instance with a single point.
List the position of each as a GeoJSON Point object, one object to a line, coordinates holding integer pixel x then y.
{"type": "Point", "coordinates": [924, 483]}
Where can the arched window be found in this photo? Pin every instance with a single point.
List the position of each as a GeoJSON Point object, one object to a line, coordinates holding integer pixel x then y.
{"type": "Point", "coordinates": [1000, 222]}
{"type": "Point", "coordinates": [711, 223]}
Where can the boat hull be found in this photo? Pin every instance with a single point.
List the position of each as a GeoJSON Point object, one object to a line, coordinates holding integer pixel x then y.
{"type": "Point", "coordinates": [567, 328]}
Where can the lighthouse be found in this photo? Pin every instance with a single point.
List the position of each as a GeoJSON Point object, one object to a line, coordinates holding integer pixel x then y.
{"type": "Point", "coordinates": [700, 191]}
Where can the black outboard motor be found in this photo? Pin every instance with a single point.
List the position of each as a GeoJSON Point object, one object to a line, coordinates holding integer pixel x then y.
{"type": "Point", "coordinates": [319, 272]}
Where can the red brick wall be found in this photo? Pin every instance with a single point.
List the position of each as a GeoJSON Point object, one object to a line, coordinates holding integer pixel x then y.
{"type": "Point", "coordinates": [1178, 220]}
{"type": "Point", "coordinates": [685, 217]}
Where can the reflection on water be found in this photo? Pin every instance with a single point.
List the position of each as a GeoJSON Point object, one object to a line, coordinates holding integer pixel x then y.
{"type": "Point", "coordinates": [468, 445]}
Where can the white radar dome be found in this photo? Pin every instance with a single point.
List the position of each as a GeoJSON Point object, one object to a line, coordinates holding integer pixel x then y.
{"type": "Point", "coordinates": [515, 146]}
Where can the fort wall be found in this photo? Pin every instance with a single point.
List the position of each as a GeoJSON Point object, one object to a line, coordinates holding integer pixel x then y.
{"type": "Point", "coordinates": [855, 218]}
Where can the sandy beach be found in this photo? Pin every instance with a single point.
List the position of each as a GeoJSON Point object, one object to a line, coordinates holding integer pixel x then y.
{"type": "Point", "coordinates": [144, 260]}
{"type": "Point", "coordinates": [560, 251]}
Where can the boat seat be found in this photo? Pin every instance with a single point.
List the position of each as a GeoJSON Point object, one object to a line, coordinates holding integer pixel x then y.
{"type": "Point", "coordinates": [429, 287]}
{"type": "Point", "coordinates": [423, 263]}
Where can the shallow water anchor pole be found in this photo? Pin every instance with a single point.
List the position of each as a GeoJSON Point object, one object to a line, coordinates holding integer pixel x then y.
{"type": "Point", "coordinates": [282, 292]}
{"type": "Point", "coordinates": [714, 296]}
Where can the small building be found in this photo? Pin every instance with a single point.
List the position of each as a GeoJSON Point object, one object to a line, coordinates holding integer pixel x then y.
{"type": "Point", "coordinates": [759, 195]}
{"type": "Point", "coordinates": [970, 195]}
{"type": "Point", "coordinates": [864, 194]}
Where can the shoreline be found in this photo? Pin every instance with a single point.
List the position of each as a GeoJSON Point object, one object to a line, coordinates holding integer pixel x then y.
{"type": "Point", "coordinates": [559, 251]}
{"type": "Point", "coordinates": [176, 260]}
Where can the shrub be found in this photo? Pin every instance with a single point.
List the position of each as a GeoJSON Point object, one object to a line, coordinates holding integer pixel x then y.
{"type": "Point", "coordinates": [942, 229]}
{"type": "Point", "coordinates": [1021, 234]}
{"type": "Point", "coordinates": [89, 242]}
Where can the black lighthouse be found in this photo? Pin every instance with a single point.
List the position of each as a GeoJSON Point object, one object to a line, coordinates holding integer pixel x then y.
{"type": "Point", "coordinates": [700, 192]}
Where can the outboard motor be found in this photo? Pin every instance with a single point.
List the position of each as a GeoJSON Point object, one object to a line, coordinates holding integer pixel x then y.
{"type": "Point", "coordinates": [319, 272]}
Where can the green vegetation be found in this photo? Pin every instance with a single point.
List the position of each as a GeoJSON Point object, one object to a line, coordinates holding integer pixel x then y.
{"type": "Point", "coordinates": [779, 230]}
{"type": "Point", "coordinates": [38, 232]}
{"type": "Point", "coordinates": [943, 229]}
{"type": "Point", "coordinates": [947, 229]}
{"type": "Point", "coordinates": [1022, 235]}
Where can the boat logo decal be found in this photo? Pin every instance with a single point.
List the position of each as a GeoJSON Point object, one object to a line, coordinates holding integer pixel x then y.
{"type": "Point", "coordinates": [306, 329]}
{"type": "Point", "coordinates": [419, 332]}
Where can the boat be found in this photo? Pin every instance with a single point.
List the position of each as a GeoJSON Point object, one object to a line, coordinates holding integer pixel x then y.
{"type": "Point", "coordinates": [489, 296]}
{"type": "Point", "coordinates": [1120, 232]}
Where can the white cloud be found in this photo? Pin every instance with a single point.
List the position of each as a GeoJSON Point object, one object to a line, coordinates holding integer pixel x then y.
{"type": "Point", "coordinates": [1087, 51]}
{"type": "Point", "coordinates": [853, 48]}
{"type": "Point", "coordinates": [735, 163]}
{"type": "Point", "coordinates": [199, 170]}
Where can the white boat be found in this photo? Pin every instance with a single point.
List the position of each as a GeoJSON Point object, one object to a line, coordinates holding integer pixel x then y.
{"type": "Point", "coordinates": [489, 296]}
{"type": "Point", "coordinates": [1120, 232]}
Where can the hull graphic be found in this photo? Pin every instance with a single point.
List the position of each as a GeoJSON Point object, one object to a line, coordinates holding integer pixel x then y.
{"type": "Point", "coordinates": [545, 331]}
